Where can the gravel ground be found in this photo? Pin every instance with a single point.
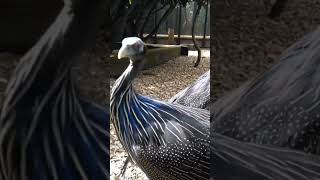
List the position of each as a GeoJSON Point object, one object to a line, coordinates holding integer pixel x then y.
{"type": "Point", "coordinates": [161, 82]}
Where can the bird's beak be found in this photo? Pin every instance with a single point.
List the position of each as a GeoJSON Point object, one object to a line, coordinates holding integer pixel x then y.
{"type": "Point", "coordinates": [122, 52]}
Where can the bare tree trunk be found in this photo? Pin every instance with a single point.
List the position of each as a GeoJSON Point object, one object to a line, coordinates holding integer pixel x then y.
{"type": "Point", "coordinates": [193, 36]}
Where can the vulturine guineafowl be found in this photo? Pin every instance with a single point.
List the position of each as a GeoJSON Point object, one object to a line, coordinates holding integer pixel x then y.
{"type": "Point", "coordinates": [166, 140]}
{"type": "Point", "coordinates": [46, 130]}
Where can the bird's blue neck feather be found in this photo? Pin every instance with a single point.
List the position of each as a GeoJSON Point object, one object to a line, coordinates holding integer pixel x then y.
{"type": "Point", "coordinates": [134, 119]}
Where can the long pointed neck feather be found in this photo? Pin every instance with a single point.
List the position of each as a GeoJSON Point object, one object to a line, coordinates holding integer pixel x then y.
{"type": "Point", "coordinates": [123, 93]}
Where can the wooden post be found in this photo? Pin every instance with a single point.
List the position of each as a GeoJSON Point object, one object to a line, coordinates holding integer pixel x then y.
{"type": "Point", "coordinates": [170, 36]}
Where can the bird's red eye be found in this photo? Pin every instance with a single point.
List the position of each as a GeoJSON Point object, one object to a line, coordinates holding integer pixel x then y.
{"type": "Point", "coordinates": [136, 46]}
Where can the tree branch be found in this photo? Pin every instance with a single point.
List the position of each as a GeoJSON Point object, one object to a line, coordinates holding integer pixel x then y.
{"type": "Point", "coordinates": [163, 18]}
{"type": "Point", "coordinates": [147, 19]}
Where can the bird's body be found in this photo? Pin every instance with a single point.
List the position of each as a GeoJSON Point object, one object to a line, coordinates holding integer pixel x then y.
{"type": "Point", "coordinates": [167, 141]}
{"type": "Point", "coordinates": [47, 132]}
{"type": "Point", "coordinates": [196, 95]}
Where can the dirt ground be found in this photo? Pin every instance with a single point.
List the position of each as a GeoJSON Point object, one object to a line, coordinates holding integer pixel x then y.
{"type": "Point", "coordinates": [161, 82]}
{"type": "Point", "coordinates": [245, 41]}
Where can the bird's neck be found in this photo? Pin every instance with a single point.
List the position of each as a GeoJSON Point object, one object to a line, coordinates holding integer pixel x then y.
{"type": "Point", "coordinates": [122, 96]}
{"type": "Point", "coordinates": [124, 83]}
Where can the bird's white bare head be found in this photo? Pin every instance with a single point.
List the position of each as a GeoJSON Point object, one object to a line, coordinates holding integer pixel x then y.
{"type": "Point", "coordinates": [132, 47]}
